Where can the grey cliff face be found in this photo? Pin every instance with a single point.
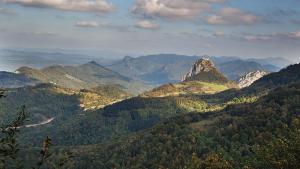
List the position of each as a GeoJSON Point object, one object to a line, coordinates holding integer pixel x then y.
{"type": "Point", "coordinates": [250, 78]}
{"type": "Point", "coordinates": [202, 65]}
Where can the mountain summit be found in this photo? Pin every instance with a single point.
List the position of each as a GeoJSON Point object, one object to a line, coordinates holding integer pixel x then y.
{"type": "Point", "coordinates": [204, 70]}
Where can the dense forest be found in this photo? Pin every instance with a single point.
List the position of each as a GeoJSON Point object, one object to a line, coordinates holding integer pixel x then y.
{"type": "Point", "coordinates": [255, 127]}
{"type": "Point", "coordinates": [264, 134]}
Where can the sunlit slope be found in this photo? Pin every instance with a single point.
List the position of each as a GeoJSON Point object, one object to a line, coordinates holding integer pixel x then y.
{"type": "Point", "coordinates": [192, 87]}
{"type": "Point", "coordinates": [46, 101]}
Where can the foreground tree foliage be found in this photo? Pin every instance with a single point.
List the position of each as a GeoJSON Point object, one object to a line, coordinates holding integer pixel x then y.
{"type": "Point", "coordinates": [11, 153]}
{"type": "Point", "coordinates": [8, 143]}
{"type": "Point", "coordinates": [283, 152]}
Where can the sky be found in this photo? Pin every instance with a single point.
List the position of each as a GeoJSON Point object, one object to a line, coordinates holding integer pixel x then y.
{"type": "Point", "coordinates": [245, 28]}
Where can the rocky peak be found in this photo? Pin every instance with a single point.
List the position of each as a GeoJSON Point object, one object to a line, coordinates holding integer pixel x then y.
{"type": "Point", "coordinates": [201, 65]}
{"type": "Point", "coordinates": [127, 58]}
{"type": "Point", "coordinates": [204, 70]}
{"type": "Point", "coordinates": [250, 78]}
{"type": "Point", "coordinates": [93, 63]}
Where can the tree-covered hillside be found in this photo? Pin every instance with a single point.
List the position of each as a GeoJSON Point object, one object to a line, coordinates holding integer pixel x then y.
{"type": "Point", "coordinates": [262, 86]}
{"type": "Point", "coordinates": [12, 80]}
{"type": "Point", "coordinates": [264, 134]}
{"type": "Point", "coordinates": [46, 101]}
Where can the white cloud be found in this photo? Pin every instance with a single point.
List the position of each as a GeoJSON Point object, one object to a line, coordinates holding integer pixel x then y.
{"type": "Point", "coordinates": [101, 6]}
{"type": "Point", "coordinates": [272, 36]}
{"type": "Point", "coordinates": [215, 20]}
{"type": "Point", "coordinates": [233, 16]}
{"type": "Point", "coordinates": [258, 37]}
{"type": "Point", "coordinates": [47, 33]}
{"type": "Point", "coordinates": [87, 24]}
{"type": "Point", "coordinates": [295, 34]}
{"type": "Point", "coordinates": [172, 9]}
{"type": "Point", "coordinates": [145, 24]}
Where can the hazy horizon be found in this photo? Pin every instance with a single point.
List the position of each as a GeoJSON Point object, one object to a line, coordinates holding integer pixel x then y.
{"type": "Point", "coordinates": [12, 59]}
{"type": "Point", "coordinates": [141, 27]}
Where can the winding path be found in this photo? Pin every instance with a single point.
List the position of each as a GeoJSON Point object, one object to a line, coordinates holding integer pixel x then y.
{"type": "Point", "coordinates": [39, 124]}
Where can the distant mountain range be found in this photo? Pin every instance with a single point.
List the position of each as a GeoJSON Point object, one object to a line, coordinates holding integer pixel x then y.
{"type": "Point", "coordinates": [275, 61]}
{"type": "Point", "coordinates": [135, 74]}
{"type": "Point", "coordinates": [155, 69]}
{"type": "Point", "coordinates": [151, 69]}
{"type": "Point", "coordinates": [11, 59]}
{"type": "Point", "coordinates": [168, 68]}
{"type": "Point", "coordinates": [238, 68]}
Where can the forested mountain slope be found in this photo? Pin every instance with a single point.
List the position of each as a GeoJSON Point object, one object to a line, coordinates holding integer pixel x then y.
{"type": "Point", "coordinates": [46, 101]}
{"type": "Point", "coordinates": [264, 134]}
{"type": "Point", "coordinates": [84, 76]}
{"type": "Point", "coordinates": [284, 77]}
{"type": "Point", "coordinates": [12, 80]}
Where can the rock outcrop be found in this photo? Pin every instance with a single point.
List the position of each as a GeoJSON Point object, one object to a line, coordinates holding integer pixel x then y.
{"type": "Point", "coordinates": [204, 70]}
{"type": "Point", "coordinates": [250, 78]}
